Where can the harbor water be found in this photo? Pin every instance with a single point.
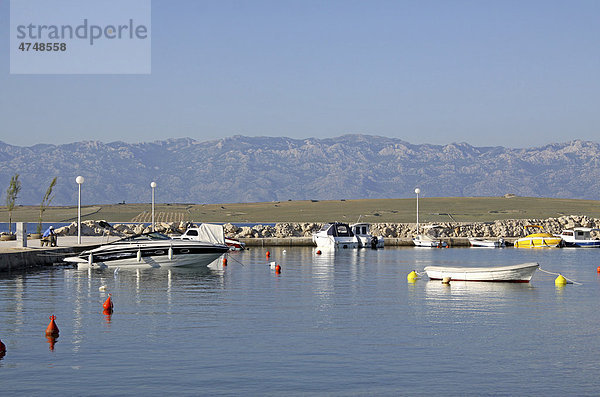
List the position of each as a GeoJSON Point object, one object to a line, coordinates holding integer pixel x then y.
{"type": "Point", "coordinates": [342, 323]}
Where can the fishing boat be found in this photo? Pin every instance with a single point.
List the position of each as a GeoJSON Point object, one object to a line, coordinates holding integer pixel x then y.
{"type": "Point", "coordinates": [538, 239]}
{"type": "Point", "coordinates": [365, 238]}
{"type": "Point", "coordinates": [150, 250]}
{"type": "Point", "coordinates": [480, 242]}
{"type": "Point", "coordinates": [521, 273]}
{"type": "Point", "coordinates": [579, 237]}
{"type": "Point", "coordinates": [335, 235]}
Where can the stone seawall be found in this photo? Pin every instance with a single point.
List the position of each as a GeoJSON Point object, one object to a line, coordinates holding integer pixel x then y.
{"type": "Point", "coordinates": [511, 228]}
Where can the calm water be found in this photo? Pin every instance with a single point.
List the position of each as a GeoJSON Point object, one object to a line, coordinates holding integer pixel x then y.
{"type": "Point", "coordinates": [338, 324]}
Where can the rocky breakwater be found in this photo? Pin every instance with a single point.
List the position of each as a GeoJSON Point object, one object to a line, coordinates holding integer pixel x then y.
{"type": "Point", "coordinates": [300, 233]}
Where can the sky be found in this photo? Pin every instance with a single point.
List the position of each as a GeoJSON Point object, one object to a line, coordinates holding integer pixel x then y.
{"type": "Point", "coordinates": [509, 73]}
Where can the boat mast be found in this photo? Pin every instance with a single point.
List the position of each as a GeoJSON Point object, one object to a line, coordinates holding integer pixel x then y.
{"type": "Point", "coordinates": [417, 191]}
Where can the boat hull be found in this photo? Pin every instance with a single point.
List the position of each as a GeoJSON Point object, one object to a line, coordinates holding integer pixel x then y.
{"type": "Point", "coordinates": [335, 242]}
{"type": "Point", "coordinates": [538, 242]}
{"type": "Point", "coordinates": [521, 273]}
{"type": "Point", "coordinates": [426, 242]}
{"type": "Point", "coordinates": [475, 242]}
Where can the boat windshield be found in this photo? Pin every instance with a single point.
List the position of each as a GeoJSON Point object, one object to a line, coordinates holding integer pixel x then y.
{"type": "Point", "coordinates": [152, 236]}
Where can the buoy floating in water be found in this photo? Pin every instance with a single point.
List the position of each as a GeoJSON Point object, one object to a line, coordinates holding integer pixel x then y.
{"type": "Point", "coordinates": [412, 277]}
{"type": "Point", "coordinates": [2, 348]}
{"type": "Point", "coordinates": [224, 261]}
{"type": "Point", "coordinates": [598, 269]}
{"type": "Point", "coordinates": [52, 329]}
{"type": "Point", "coordinates": [102, 288]}
{"type": "Point", "coordinates": [318, 252]}
{"type": "Point", "coordinates": [268, 254]}
{"type": "Point", "coordinates": [277, 269]}
{"type": "Point", "coordinates": [446, 280]}
{"type": "Point", "coordinates": [108, 304]}
{"type": "Point", "coordinates": [560, 280]}
{"type": "Point", "coordinates": [272, 265]}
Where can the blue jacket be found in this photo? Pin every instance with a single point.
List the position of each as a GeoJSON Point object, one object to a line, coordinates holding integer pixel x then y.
{"type": "Point", "coordinates": [48, 232]}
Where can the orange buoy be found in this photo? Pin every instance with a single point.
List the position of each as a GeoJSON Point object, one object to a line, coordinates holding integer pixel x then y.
{"type": "Point", "coordinates": [224, 261]}
{"type": "Point", "coordinates": [318, 252]}
{"type": "Point", "coordinates": [268, 254]}
{"type": "Point", "coordinates": [52, 329]}
{"type": "Point", "coordinates": [277, 269]}
{"type": "Point", "coordinates": [108, 305]}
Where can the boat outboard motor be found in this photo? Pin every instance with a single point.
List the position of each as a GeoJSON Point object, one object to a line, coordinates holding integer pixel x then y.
{"type": "Point", "coordinates": [374, 242]}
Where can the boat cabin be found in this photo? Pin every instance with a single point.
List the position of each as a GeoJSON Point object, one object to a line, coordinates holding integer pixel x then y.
{"type": "Point", "coordinates": [361, 229]}
{"type": "Point", "coordinates": [337, 229]}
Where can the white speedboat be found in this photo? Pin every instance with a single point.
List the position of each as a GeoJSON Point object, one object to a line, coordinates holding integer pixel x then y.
{"type": "Point", "coordinates": [365, 238]}
{"type": "Point", "coordinates": [150, 250]}
{"type": "Point", "coordinates": [579, 237]}
{"type": "Point", "coordinates": [480, 242]}
{"type": "Point", "coordinates": [521, 273]}
{"type": "Point", "coordinates": [335, 235]}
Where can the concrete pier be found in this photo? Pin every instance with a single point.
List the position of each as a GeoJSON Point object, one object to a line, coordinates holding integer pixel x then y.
{"type": "Point", "coordinates": [15, 257]}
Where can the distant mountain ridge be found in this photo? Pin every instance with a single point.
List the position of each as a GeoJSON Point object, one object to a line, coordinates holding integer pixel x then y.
{"type": "Point", "coordinates": [250, 169]}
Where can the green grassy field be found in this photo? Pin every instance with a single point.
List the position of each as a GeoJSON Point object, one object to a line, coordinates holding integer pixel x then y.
{"type": "Point", "coordinates": [436, 209]}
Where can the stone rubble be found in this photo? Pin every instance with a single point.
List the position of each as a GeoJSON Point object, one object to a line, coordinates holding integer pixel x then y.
{"type": "Point", "coordinates": [500, 228]}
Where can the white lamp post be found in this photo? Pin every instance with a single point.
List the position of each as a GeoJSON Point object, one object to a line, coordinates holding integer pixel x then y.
{"type": "Point", "coordinates": [417, 191]}
{"type": "Point", "coordinates": [153, 185]}
{"type": "Point", "coordinates": [79, 181]}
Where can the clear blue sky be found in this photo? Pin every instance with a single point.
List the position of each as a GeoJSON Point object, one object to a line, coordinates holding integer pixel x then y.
{"type": "Point", "coordinates": [511, 73]}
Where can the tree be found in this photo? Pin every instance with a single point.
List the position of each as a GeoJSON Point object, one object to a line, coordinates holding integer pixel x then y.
{"type": "Point", "coordinates": [46, 200]}
{"type": "Point", "coordinates": [12, 193]}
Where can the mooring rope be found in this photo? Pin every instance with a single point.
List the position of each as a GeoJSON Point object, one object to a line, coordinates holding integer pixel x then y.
{"type": "Point", "coordinates": [558, 274]}
{"type": "Point", "coordinates": [235, 260]}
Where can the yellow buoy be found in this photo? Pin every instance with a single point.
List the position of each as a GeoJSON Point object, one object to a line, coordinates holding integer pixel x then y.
{"type": "Point", "coordinates": [446, 280]}
{"type": "Point", "coordinates": [412, 277]}
{"type": "Point", "coordinates": [560, 280]}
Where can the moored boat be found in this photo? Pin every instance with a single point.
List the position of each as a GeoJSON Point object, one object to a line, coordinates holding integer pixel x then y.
{"type": "Point", "coordinates": [150, 250]}
{"type": "Point", "coordinates": [335, 235]}
{"type": "Point", "coordinates": [579, 237]}
{"type": "Point", "coordinates": [211, 233]}
{"type": "Point", "coordinates": [520, 273]}
{"type": "Point", "coordinates": [539, 239]}
{"type": "Point", "coordinates": [480, 242]}
{"type": "Point", "coordinates": [365, 238]}
{"type": "Point", "coordinates": [427, 240]}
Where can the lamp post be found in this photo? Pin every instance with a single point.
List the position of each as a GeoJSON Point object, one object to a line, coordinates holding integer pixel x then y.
{"type": "Point", "coordinates": [417, 191]}
{"type": "Point", "coordinates": [79, 181]}
{"type": "Point", "coordinates": [153, 185]}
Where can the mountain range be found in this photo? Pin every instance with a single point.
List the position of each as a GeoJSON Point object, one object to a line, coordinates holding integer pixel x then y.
{"type": "Point", "coordinates": [251, 169]}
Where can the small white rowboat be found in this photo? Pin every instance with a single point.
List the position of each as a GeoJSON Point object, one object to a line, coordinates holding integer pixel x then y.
{"type": "Point", "coordinates": [515, 273]}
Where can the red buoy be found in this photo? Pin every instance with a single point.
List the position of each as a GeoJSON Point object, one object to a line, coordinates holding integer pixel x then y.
{"type": "Point", "coordinates": [598, 269]}
{"type": "Point", "coordinates": [108, 305]}
{"type": "Point", "coordinates": [52, 329]}
{"type": "Point", "coordinates": [268, 254]}
{"type": "Point", "coordinates": [224, 261]}
{"type": "Point", "coordinates": [277, 269]}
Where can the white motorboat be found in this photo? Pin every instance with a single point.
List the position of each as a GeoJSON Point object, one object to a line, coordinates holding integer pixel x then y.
{"type": "Point", "coordinates": [365, 238]}
{"type": "Point", "coordinates": [480, 242]}
{"type": "Point", "coordinates": [521, 273]}
{"type": "Point", "coordinates": [150, 250]}
{"type": "Point", "coordinates": [579, 237]}
{"type": "Point", "coordinates": [335, 235]}
{"type": "Point", "coordinates": [423, 240]}
{"type": "Point", "coordinates": [211, 233]}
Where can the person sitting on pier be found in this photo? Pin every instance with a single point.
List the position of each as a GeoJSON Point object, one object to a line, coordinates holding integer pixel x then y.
{"type": "Point", "coordinates": [49, 237]}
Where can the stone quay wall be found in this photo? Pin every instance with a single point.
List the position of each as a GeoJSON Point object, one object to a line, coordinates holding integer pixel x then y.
{"type": "Point", "coordinates": [501, 228]}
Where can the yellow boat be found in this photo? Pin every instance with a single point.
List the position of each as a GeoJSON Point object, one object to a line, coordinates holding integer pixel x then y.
{"type": "Point", "coordinates": [539, 239]}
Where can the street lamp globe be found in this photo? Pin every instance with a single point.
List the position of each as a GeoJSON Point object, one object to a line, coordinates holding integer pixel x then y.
{"type": "Point", "coordinates": [79, 180]}
{"type": "Point", "coordinates": [417, 190]}
{"type": "Point", "coordinates": [153, 185]}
